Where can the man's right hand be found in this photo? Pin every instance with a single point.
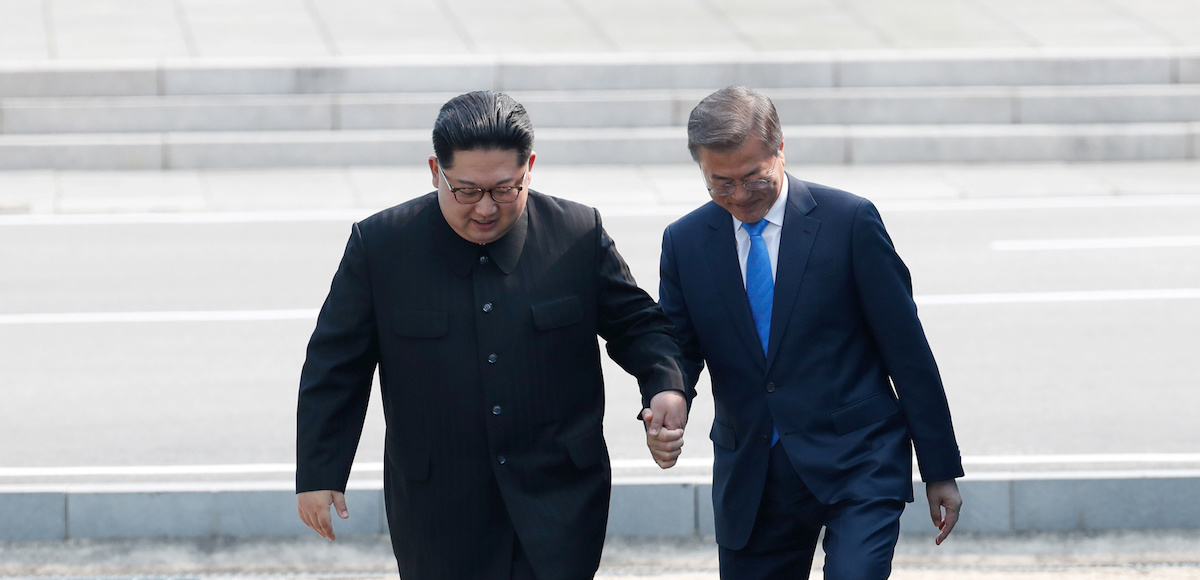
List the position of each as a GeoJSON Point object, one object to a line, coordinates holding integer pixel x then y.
{"type": "Point", "coordinates": [665, 420]}
{"type": "Point", "coordinates": [313, 507]}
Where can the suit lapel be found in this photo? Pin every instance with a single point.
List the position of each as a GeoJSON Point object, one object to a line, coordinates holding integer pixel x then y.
{"type": "Point", "coordinates": [721, 248]}
{"type": "Point", "coordinates": [795, 245]}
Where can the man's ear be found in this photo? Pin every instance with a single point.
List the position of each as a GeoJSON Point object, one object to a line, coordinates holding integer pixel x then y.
{"type": "Point", "coordinates": [433, 168]}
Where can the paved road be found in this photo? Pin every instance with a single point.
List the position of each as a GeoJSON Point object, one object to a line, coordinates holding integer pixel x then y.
{"type": "Point", "coordinates": [1044, 349]}
{"type": "Point", "coordinates": [1146, 555]}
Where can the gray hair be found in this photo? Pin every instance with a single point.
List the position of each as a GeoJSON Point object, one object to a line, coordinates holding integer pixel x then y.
{"type": "Point", "coordinates": [724, 120]}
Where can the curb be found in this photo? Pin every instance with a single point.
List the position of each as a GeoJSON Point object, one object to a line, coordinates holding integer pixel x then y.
{"type": "Point", "coordinates": [1035, 503]}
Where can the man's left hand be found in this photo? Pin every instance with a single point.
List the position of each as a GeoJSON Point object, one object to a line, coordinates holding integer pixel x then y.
{"type": "Point", "coordinates": [665, 420]}
{"type": "Point", "coordinates": [943, 494]}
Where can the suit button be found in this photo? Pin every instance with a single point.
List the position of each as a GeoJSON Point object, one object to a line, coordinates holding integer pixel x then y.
{"type": "Point", "coordinates": [487, 306]}
{"type": "Point", "coordinates": [770, 387]}
{"type": "Point", "coordinates": [483, 259]}
{"type": "Point", "coordinates": [764, 440]}
{"type": "Point", "coordinates": [501, 459]}
{"type": "Point", "coordinates": [496, 410]}
{"type": "Point", "coordinates": [493, 358]}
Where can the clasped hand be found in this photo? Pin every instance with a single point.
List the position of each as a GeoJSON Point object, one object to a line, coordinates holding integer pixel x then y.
{"type": "Point", "coordinates": [664, 421]}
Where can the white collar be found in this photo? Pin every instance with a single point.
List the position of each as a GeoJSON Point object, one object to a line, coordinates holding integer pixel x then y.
{"type": "Point", "coordinates": [775, 214]}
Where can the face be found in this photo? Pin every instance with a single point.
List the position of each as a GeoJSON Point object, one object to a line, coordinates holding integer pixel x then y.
{"type": "Point", "coordinates": [754, 160]}
{"type": "Point", "coordinates": [484, 221]}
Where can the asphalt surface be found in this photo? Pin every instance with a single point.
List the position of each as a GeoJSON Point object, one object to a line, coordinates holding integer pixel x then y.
{"type": "Point", "coordinates": [1036, 357]}
{"type": "Point", "coordinates": [1159, 555]}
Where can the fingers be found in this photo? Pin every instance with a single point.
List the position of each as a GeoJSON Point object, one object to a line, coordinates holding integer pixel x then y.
{"type": "Point", "coordinates": [339, 504]}
{"type": "Point", "coordinates": [653, 423]}
{"type": "Point", "coordinates": [670, 407]}
{"type": "Point", "coordinates": [947, 524]}
{"type": "Point", "coordinates": [945, 505]}
{"type": "Point", "coordinates": [665, 447]}
{"type": "Point", "coordinates": [313, 508]}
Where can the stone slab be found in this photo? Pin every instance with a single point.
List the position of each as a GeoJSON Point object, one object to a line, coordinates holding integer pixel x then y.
{"type": "Point", "coordinates": [295, 149]}
{"type": "Point", "coordinates": [109, 78]}
{"type": "Point", "coordinates": [653, 510]}
{"type": "Point", "coordinates": [131, 515]}
{"type": "Point", "coordinates": [98, 151]}
{"type": "Point", "coordinates": [168, 114]}
{"type": "Point", "coordinates": [273, 513]}
{"type": "Point", "coordinates": [1060, 505]}
{"type": "Point", "coordinates": [1019, 143]}
{"type": "Point", "coordinates": [1004, 68]}
{"type": "Point", "coordinates": [33, 516]}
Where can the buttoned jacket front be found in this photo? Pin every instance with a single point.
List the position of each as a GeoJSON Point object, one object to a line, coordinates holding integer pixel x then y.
{"type": "Point", "coordinates": [849, 380]}
{"type": "Point", "coordinates": [490, 377]}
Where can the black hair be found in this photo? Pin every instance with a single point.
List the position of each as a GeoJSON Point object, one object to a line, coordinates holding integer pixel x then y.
{"type": "Point", "coordinates": [482, 120]}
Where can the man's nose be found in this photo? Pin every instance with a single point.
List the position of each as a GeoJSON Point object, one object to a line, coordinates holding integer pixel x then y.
{"type": "Point", "coordinates": [740, 193]}
{"type": "Point", "coordinates": [486, 206]}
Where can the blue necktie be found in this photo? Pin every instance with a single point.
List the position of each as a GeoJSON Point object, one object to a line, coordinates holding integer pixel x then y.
{"type": "Point", "coordinates": [760, 288]}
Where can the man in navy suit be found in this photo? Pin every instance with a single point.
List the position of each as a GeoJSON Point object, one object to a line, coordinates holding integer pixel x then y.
{"type": "Point", "coordinates": [793, 295]}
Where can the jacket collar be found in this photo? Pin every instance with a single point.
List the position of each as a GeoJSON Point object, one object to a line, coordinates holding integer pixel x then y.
{"type": "Point", "coordinates": [461, 255]}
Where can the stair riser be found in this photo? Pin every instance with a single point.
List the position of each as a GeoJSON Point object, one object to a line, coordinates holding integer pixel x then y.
{"type": "Point", "coordinates": [567, 147]}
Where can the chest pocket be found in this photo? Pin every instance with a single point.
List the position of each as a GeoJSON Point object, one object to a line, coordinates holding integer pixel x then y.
{"type": "Point", "coordinates": [420, 323]}
{"type": "Point", "coordinates": [557, 313]}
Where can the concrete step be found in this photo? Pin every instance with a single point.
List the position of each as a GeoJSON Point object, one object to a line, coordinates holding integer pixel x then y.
{"type": "Point", "coordinates": [649, 108]}
{"type": "Point", "coordinates": [590, 146]}
{"type": "Point", "coordinates": [604, 71]}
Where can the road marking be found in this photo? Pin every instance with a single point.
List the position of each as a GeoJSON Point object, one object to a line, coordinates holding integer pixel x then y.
{"type": "Point", "coordinates": [165, 316]}
{"type": "Point", "coordinates": [1049, 297]}
{"type": "Point", "coordinates": [622, 210]}
{"type": "Point", "coordinates": [311, 314]}
{"type": "Point", "coordinates": [1097, 243]}
{"type": "Point", "coordinates": [686, 462]}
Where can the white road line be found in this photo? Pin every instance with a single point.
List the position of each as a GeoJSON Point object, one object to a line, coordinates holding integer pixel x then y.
{"type": "Point", "coordinates": [201, 217]}
{"type": "Point", "coordinates": [165, 316]}
{"type": "Point", "coordinates": [624, 210]}
{"type": "Point", "coordinates": [685, 462]}
{"type": "Point", "coordinates": [1097, 243]}
{"type": "Point", "coordinates": [311, 314]}
{"type": "Point", "coordinates": [1047, 297]}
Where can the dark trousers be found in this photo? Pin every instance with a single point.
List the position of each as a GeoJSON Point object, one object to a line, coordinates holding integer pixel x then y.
{"type": "Point", "coordinates": [860, 535]}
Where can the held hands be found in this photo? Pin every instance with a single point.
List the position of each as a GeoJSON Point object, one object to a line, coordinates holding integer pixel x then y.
{"type": "Point", "coordinates": [943, 494]}
{"type": "Point", "coordinates": [665, 420]}
{"type": "Point", "coordinates": [313, 507]}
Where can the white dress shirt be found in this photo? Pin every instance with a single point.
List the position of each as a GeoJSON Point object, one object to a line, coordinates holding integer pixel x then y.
{"type": "Point", "coordinates": [771, 233]}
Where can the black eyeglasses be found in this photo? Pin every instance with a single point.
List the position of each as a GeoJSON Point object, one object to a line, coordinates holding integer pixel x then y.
{"type": "Point", "coordinates": [469, 195]}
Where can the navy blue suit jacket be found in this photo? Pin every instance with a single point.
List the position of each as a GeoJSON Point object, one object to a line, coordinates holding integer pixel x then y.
{"type": "Point", "coordinates": [844, 332]}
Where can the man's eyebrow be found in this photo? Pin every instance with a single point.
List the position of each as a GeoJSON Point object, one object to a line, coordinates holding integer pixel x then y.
{"type": "Point", "coordinates": [501, 183]}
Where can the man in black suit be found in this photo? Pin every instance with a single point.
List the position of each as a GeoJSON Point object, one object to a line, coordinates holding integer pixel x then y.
{"type": "Point", "coordinates": [793, 295]}
{"type": "Point", "coordinates": [481, 303]}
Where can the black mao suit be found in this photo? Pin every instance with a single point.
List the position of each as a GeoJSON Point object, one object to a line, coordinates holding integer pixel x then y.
{"type": "Point", "coordinates": [844, 331]}
{"type": "Point", "coordinates": [490, 378]}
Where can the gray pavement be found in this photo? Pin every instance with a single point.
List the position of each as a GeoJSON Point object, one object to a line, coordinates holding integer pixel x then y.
{"type": "Point", "coordinates": [39, 31]}
{"type": "Point", "coordinates": [1158, 555]}
{"type": "Point", "coordinates": [1075, 407]}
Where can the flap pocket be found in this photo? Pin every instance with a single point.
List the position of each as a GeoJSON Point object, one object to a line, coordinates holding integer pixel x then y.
{"type": "Point", "coordinates": [557, 313]}
{"type": "Point", "coordinates": [723, 436]}
{"type": "Point", "coordinates": [869, 410]}
{"type": "Point", "coordinates": [420, 323]}
{"type": "Point", "coordinates": [588, 450]}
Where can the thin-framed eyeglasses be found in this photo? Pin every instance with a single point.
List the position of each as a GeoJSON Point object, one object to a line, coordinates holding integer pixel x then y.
{"type": "Point", "coordinates": [727, 189]}
{"type": "Point", "coordinates": [469, 195]}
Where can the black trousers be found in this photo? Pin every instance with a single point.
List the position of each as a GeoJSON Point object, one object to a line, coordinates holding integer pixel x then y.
{"type": "Point", "coordinates": [860, 534]}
